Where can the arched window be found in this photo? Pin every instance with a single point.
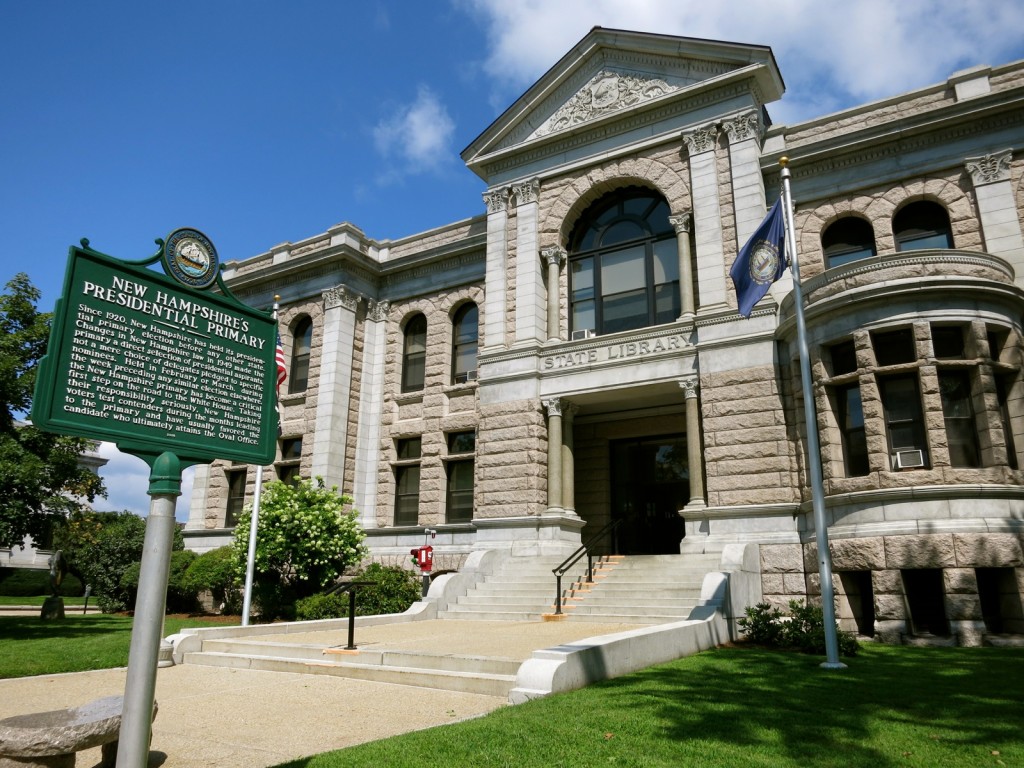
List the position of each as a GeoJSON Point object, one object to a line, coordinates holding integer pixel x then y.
{"type": "Point", "coordinates": [302, 342]}
{"type": "Point", "coordinates": [414, 354]}
{"type": "Point", "coordinates": [465, 327]}
{"type": "Point", "coordinates": [923, 224]}
{"type": "Point", "coordinates": [846, 240]}
{"type": "Point", "coordinates": [624, 264]}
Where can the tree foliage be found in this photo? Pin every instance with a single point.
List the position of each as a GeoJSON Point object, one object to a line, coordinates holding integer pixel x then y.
{"type": "Point", "coordinates": [306, 537]}
{"type": "Point", "coordinates": [41, 480]}
{"type": "Point", "coordinates": [100, 546]}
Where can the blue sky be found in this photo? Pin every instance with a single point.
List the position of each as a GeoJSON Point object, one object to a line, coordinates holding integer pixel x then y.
{"type": "Point", "coordinates": [261, 122]}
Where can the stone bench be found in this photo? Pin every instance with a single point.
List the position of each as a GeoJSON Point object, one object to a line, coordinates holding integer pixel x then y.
{"type": "Point", "coordinates": [51, 739]}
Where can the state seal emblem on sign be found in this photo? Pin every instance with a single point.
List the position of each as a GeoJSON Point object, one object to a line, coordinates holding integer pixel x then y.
{"type": "Point", "coordinates": [764, 262]}
{"type": "Point", "coordinates": [190, 258]}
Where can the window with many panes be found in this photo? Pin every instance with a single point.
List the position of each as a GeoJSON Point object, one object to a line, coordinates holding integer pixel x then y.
{"type": "Point", "coordinates": [459, 470]}
{"type": "Point", "coordinates": [236, 496]}
{"type": "Point", "coordinates": [464, 343]}
{"type": "Point", "coordinates": [904, 420]}
{"type": "Point", "coordinates": [302, 343]}
{"type": "Point", "coordinates": [922, 224]}
{"type": "Point", "coordinates": [624, 264]}
{"type": "Point", "coordinates": [958, 415]}
{"type": "Point", "coordinates": [291, 457]}
{"type": "Point", "coordinates": [414, 354]}
{"type": "Point", "coordinates": [850, 414]}
{"type": "Point", "coordinates": [407, 480]}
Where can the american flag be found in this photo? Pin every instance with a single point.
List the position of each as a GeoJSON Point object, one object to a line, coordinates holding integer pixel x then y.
{"type": "Point", "coordinates": [282, 371]}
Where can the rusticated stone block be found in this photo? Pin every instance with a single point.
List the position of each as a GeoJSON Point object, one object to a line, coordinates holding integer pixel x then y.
{"type": "Point", "coordinates": [891, 631]}
{"type": "Point", "coordinates": [772, 583]}
{"type": "Point", "coordinates": [794, 583]}
{"type": "Point", "coordinates": [886, 583]}
{"type": "Point", "coordinates": [889, 608]}
{"type": "Point", "coordinates": [963, 607]}
{"type": "Point", "coordinates": [928, 551]}
{"type": "Point", "coordinates": [987, 550]}
{"type": "Point", "coordinates": [781, 558]}
{"type": "Point", "coordinates": [865, 554]}
{"type": "Point", "coordinates": [960, 581]}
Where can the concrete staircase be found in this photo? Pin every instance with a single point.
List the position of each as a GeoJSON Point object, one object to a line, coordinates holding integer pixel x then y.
{"type": "Point", "coordinates": [522, 589]}
{"type": "Point", "coordinates": [470, 674]}
{"type": "Point", "coordinates": [640, 589]}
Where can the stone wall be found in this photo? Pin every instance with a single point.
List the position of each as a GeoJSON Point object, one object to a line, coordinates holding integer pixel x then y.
{"type": "Point", "coordinates": [511, 460]}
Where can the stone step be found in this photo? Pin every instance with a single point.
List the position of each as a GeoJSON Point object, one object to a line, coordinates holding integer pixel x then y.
{"type": "Point", "coordinates": [506, 599]}
{"type": "Point", "coordinates": [677, 609]}
{"type": "Point", "coordinates": [650, 601]}
{"type": "Point", "coordinates": [492, 615]}
{"type": "Point", "coordinates": [616, 618]}
{"type": "Point", "coordinates": [466, 682]}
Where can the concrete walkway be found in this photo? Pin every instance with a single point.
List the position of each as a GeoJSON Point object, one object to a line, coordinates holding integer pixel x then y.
{"type": "Point", "coordinates": [230, 718]}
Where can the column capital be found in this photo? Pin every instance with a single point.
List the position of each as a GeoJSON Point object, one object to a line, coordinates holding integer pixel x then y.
{"type": "Point", "coordinates": [553, 254]}
{"type": "Point", "coordinates": [526, 191]}
{"type": "Point", "coordinates": [701, 139]}
{"type": "Point", "coordinates": [496, 200]}
{"type": "Point", "coordinates": [690, 387]}
{"type": "Point", "coordinates": [742, 127]}
{"type": "Point", "coordinates": [554, 405]}
{"type": "Point", "coordinates": [569, 410]}
{"type": "Point", "coordinates": [340, 296]}
{"type": "Point", "coordinates": [377, 311]}
{"type": "Point", "coordinates": [990, 168]}
{"type": "Point", "coordinates": [683, 222]}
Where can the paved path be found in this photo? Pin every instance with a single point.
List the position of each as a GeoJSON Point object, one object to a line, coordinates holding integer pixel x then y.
{"type": "Point", "coordinates": [232, 718]}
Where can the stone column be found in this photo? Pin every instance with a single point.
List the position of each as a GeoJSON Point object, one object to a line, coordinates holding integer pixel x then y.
{"type": "Point", "coordinates": [683, 224]}
{"type": "Point", "coordinates": [554, 407]}
{"type": "Point", "coordinates": [568, 459]}
{"type": "Point", "coordinates": [694, 446]}
{"type": "Point", "coordinates": [530, 311]}
{"type": "Point", "coordinates": [1000, 223]}
{"type": "Point", "coordinates": [495, 277]}
{"type": "Point", "coordinates": [555, 258]}
{"type": "Point", "coordinates": [330, 434]}
{"type": "Point", "coordinates": [371, 399]}
{"type": "Point", "coordinates": [707, 215]}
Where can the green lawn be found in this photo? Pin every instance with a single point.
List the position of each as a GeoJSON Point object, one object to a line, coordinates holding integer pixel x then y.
{"type": "Point", "coordinates": [8, 600]}
{"type": "Point", "coordinates": [893, 706]}
{"type": "Point", "coordinates": [29, 646]}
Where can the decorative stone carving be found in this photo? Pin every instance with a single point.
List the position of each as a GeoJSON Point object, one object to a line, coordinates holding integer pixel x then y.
{"type": "Point", "coordinates": [553, 255]}
{"type": "Point", "coordinates": [746, 126]}
{"type": "Point", "coordinates": [990, 168]}
{"type": "Point", "coordinates": [554, 406]}
{"type": "Point", "coordinates": [605, 93]}
{"type": "Point", "coordinates": [377, 311]}
{"type": "Point", "coordinates": [683, 222]}
{"type": "Point", "coordinates": [689, 387]}
{"type": "Point", "coordinates": [526, 192]}
{"type": "Point", "coordinates": [340, 296]}
{"type": "Point", "coordinates": [701, 140]}
{"type": "Point", "coordinates": [496, 200]}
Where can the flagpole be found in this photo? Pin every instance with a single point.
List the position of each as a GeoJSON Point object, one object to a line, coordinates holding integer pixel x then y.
{"type": "Point", "coordinates": [250, 563]}
{"type": "Point", "coordinates": [828, 608]}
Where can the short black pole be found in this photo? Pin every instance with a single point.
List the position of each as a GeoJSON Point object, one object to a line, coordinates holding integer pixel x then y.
{"type": "Point", "coordinates": [351, 620]}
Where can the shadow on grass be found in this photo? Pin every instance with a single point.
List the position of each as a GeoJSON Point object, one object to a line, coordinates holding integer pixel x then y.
{"type": "Point", "coordinates": [89, 625]}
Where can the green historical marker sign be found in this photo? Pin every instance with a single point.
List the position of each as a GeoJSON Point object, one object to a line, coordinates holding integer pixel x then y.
{"type": "Point", "coordinates": [156, 364]}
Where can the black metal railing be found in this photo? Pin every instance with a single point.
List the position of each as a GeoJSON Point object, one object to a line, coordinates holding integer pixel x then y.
{"type": "Point", "coordinates": [350, 586]}
{"type": "Point", "coordinates": [572, 559]}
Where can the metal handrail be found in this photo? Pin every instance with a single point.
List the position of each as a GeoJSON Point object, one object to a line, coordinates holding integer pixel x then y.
{"type": "Point", "coordinates": [570, 561]}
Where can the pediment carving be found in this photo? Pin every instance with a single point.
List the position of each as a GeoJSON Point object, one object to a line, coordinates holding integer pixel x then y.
{"type": "Point", "coordinates": [605, 93]}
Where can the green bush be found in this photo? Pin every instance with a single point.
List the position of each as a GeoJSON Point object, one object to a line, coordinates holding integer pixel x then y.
{"type": "Point", "coordinates": [802, 630]}
{"type": "Point", "coordinates": [24, 582]}
{"type": "Point", "coordinates": [214, 571]}
{"type": "Point", "coordinates": [395, 589]}
{"type": "Point", "coordinates": [180, 597]}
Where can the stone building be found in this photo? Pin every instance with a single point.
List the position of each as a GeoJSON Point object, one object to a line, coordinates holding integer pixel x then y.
{"type": "Point", "coordinates": [573, 356]}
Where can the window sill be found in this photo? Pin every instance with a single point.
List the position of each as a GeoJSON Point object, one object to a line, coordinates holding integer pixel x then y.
{"type": "Point", "coordinates": [407, 398]}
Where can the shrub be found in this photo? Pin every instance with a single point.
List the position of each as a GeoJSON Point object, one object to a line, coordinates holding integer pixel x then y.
{"type": "Point", "coordinates": [24, 582]}
{"type": "Point", "coordinates": [214, 571]}
{"type": "Point", "coordinates": [394, 591]}
{"type": "Point", "coordinates": [180, 598]}
{"type": "Point", "coordinates": [802, 630]}
{"type": "Point", "coordinates": [332, 606]}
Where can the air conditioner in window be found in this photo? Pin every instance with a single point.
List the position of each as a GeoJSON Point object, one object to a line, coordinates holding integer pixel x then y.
{"type": "Point", "coordinates": [465, 378]}
{"type": "Point", "coordinates": [586, 333]}
{"type": "Point", "coordinates": [908, 459]}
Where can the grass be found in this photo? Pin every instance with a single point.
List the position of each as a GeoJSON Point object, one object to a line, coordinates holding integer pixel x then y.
{"type": "Point", "coordinates": [29, 646]}
{"type": "Point", "coordinates": [8, 600]}
{"type": "Point", "coordinates": [893, 707]}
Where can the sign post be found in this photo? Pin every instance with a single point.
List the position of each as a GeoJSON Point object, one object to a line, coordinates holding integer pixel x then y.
{"type": "Point", "coordinates": [173, 374]}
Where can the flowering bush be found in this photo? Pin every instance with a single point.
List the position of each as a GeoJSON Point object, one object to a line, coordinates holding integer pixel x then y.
{"type": "Point", "coordinates": [307, 535]}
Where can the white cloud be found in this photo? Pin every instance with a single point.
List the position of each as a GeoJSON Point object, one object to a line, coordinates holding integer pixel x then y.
{"type": "Point", "coordinates": [417, 135]}
{"type": "Point", "coordinates": [127, 481]}
{"type": "Point", "coordinates": [831, 55]}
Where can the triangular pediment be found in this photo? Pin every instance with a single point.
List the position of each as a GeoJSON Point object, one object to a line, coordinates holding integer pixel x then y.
{"type": "Point", "coordinates": [611, 76]}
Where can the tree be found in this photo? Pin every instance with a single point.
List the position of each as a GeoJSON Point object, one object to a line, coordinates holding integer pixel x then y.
{"type": "Point", "coordinates": [41, 479]}
{"type": "Point", "coordinates": [306, 537]}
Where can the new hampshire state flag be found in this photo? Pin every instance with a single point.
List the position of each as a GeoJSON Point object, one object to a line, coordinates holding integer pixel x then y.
{"type": "Point", "coordinates": [761, 261]}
